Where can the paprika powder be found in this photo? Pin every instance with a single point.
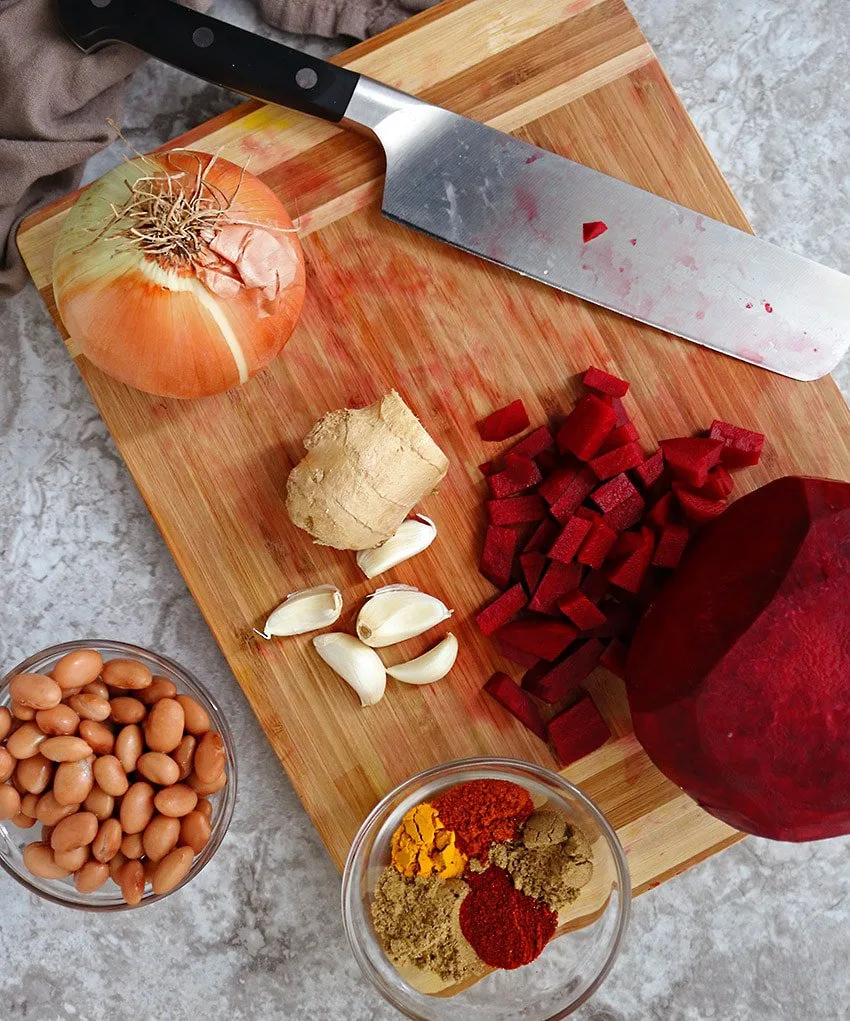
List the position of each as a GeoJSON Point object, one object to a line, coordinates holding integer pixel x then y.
{"type": "Point", "coordinates": [484, 812]}
{"type": "Point", "coordinates": [504, 926]}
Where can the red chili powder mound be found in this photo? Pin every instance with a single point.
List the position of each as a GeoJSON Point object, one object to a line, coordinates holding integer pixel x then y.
{"type": "Point", "coordinates": [484, 812]}
{"type": "Point", "coordinates": [505, 927]}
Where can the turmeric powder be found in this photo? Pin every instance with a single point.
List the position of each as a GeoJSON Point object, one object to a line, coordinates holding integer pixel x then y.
{"type": "Point", "coordinates": [422, 846]}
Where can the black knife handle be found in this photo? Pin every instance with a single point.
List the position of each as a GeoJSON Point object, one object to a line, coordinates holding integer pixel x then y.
{"type": "Point", "coordinates": [212, 49]}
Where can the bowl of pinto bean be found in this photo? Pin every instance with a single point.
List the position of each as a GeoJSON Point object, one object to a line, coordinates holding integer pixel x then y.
{"type": "Point", "coordinates": [117, 775]}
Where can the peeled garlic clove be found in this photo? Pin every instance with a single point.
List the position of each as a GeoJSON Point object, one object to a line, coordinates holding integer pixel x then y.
{"type": "Point", "coordinates": [308, 610]}
{"type": "Point", "coordinates": [429, 667]}
{"type": "Point", "coordinates": [360, 666]}
{"type": "Point", "coordinates": [393, 615]}
{"type": "Point", "coordinates": [413, 536]}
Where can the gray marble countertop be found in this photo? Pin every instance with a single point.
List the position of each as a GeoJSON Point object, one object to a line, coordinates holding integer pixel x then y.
{"type": "Point", "coordinates": [761, 932]}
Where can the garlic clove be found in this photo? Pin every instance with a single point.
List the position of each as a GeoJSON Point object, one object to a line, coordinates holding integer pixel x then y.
{"type": "Point", "coordinates": [394, 614]}
{"type": "Point", "coordinates": [308, 610]}
{"type": "Point", "coordinates": [412, 537]}
{"type": "Point", "coordinates": [431, 666]}
{"type": "Point", "coordinates": [358, 665]}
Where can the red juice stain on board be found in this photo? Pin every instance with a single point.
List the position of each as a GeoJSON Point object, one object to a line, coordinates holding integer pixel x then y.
{"type": "Point", "coordinates": [534, 157]}
{"type": "Point", "coordinates": [700, 224]}
{"type": "Point", "coordinates": [526, 203]}
{"type": "Point", "coordinates": [700, 314]}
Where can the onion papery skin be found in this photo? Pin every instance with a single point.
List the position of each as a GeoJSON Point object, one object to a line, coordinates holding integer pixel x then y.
{"type": "Point", "coordinates": [151, 323]}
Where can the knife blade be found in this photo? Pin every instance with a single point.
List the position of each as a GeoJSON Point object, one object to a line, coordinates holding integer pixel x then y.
{"type": "Point", "coordinates": [520, 206]}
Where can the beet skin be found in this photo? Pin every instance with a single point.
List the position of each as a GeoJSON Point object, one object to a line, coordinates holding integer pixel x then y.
{"type": "Point", "coordinates": [739, 675]}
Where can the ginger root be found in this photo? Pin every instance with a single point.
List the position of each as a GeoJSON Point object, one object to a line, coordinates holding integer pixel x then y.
{"type": "Point", "coordinates": [364, 471]}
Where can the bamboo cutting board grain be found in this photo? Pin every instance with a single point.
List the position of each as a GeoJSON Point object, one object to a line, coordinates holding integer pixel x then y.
{"type": "Point", "coordinates": [390, 308]}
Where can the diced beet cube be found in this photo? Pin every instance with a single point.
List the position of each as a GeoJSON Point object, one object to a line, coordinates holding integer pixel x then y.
{"type": "Point", "coordinates": [544, 638]}
{"type": "Point", "coordinates": [651, 470]}
{"type": "Point", "coordinates": [558, 580]}
{"type": "Point", "coordinates": [671, 545]}
{"type": "Point", "coordinates": [488, 468]}
{"type": "Point", "coordinates": [630, 572]}
{"type": "Point", "coordinates": [718, 485]}
{"type": "Point", "coordinates": [625, 514]}
{"type": "Point", "coordinates": [586, 427]}
{"type": "Point", "coordinates": [520, 473]}
{"type": "Point", "coordinates": [505, 422]}
{"type": "Point", "coordinates": [595, 586]}
{"type": "Point", "coordinates": [510, 696]}
{"type": "Point", "coordinates": [592, 230]}
{"type": "Point", "coordinates": [613, 493]}
{"type": "Point", "coordinates": [618, 460]}
{"type": "Point", "coordinates": [626, 544]}
{"type": "Point", "coordinates": [542, 537]}
{"type": "Point", "coordinates": [581, 611]}
{"type": "Point", "coordinates": [553, 488]}
{"type": "Point", "coordinates": [518, 656]}
{"type": "Point", "coordinates": [605, 383]}
{"type": "Point", "coordinates": [697, 509]}
{"type": "Point", "coordinates": [578, 731]}
{"type": "Point", "coordinates": [690, 458]}
{"type": "Point", "coordinates": [500, 611]}
{"type": "Point", "coordinates": [597, 545]}
{"type": "Point", "coordinates": [661, 512]}
{"type": "Point", "coordinates": [547, 461]}
{"type": "Point", "coordinates": [535, 443]}
{"type": "Point", "coordinates": [573, 496]}
{"type": "Point", "coordinates": [614, 658]}
{"type": "Point", "coordinates": [532, 566]}
{"type": "Point", "coordinates": [619, 437]}
{"type": "Point", "coordinates": [568, 542]}
{"type": "Point", "coordinates": [497, 557]}
{"type": "Point", "coordinates": [516, 510]}
{"type": "Point", "coordinates": [621, 416]}
{"type": "Point", "coordinates": [741, 447]}
{"type": "Point", "coordinates": [562, 679]}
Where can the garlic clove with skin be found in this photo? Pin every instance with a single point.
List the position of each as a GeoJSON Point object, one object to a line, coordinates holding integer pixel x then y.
{"type": "Point", "coordinates": [396, 613]}
{"type": "Point", "coordinates": [308, 610]}
{"type": "Point", "coordinates": [412, 537]}
{"type": "Point", "coordinates": [431, 666]}
{"type": "Point", "coordinates": [358, 665]}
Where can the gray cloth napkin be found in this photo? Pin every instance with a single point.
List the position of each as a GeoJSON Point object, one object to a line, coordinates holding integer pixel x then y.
{"type": "Point", "coordinates": [55, 102]}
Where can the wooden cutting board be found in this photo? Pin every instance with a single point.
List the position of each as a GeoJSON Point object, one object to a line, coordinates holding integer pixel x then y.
{"type": "Point", "coordinates": [390, 308]}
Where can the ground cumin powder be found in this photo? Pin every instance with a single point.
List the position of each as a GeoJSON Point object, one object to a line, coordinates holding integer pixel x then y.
{"type": "Point", "coordinates": [552, 863]}
{"type": "Point", "coordinates": [417, 922]}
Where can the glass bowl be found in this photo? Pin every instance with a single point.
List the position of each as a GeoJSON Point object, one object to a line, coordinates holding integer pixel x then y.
{"type": "Point", "coordinates": [573, 964]}
{"type": "Point", "coordinates": [108, 898]}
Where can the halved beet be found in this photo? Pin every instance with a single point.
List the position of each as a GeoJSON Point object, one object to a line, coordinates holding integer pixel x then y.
{"type": "Point", "coordinates": [738, 674]}
{"type": "Point", "coordinates": [501, 610]}
{"type": "Point", "coordinates": [604, 382]}
{"type": "Point", "coordinates": [497, 556]}
{"type": "Point", "coordinates": [544, 638]}
{"type": "Point", "coordinates": [578, 731]}
{"type": "Point", "coordinates": [586, 427]}
{"type": "Point", "coordinates": [578, 609]}
{"type": "Point", "coordinates": [568, 542]}
{"type": "Point", "coordinates": [741, 447]}
{"type": "Point", "coordinates": [691, 458]}
{"type": "Point", "coordinates": [516, 510]}
{"type": "Point", "coordinates": [564, 677]}
{"type": "Point", "coordinates": [504, 423]}
{"type": "Point", "coordinates": [558, 580]}
{"type": "Point", "coordinates": [510, 696]}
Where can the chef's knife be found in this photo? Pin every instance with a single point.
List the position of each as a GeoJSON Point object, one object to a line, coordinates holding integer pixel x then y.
{"type": "Point", "coordinates": [517, 205]}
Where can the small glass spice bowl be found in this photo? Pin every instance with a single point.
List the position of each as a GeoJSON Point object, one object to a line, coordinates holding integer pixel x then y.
{"type": "Point", "coordinates": [571, 967]}
{"type": "Point", "coordinates": [108, 898]}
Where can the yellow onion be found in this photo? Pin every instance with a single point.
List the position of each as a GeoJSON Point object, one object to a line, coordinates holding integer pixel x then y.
{"type": "Point", "coordinates": [179, 273]}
